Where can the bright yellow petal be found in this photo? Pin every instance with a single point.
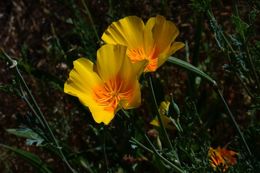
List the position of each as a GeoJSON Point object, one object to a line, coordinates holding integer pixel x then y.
{"type": "Point", "coordinates": [101, 115]}
{"type": "Point", "coordinates": [175, 46]}
{"type": "Point", "coordinates": [164, 33]}
{"type": "Point", "coordinates": [81, 79]}
{"type": "Point", "coordinates": [114, 66]}
{"type": "Point", "coordinates": [134, 97]}
{"type": "Point", "coordinates": [120, 76]}
{"type": "Point", "coordinates": [164, 108]}
{"type": "Point", "coordinates": [127, 31]}
{"type": "Point", "coordinates": [148, 36]}
{"type": "Point", "coordinates": [155, 122]}
{"type": "Point", "coordinates": [110, 61]}
{"type": "Point", "coordinates": [138, 67]}
{"type": "Point", "coordinates": [166, 122]}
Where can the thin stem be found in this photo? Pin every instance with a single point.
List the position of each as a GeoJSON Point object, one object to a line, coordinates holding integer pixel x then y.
{"type": "Point", "coordinates": [154, 151]}
{"type": "Point", "coordinates": [234, 52]}
{"type": "Point", "coordinates": [104, 147]}
{"type": "Point", "coordinates": [47, 125]}
{"type": "Point", "coordinates": [249, 57]}
{"type": "Point", "coordinates": [233, 120]}
{"type": "Point", "coordinates": [163, 158]}
{"type": "Point", "coordinates": [134, 141]}
{"type": "Point", "coordinates": [44, 120]}
{"type": "Point", "coordinates": [31, 107]}
{"type": "Point", "coordinates": [159, 116]}
{"type": "Point", "coordinates": [91, 19]}
{"type": "Point", "coordinates": [41, 116]}
{"type": "Point", "coordinates": [246, 47]}
{"type": "Point", "coordinates": [245, 86]}
{"type": "Point", "coordinates": [240, 79]}
{"type": "Point", "coordinates": [212, 17]}
{"type": "Point", "coordinates": [196, 50]}
{"type": "Point", "coordinates": [218, 91]}
{"type": "Point", "coordinates": [253, 67]}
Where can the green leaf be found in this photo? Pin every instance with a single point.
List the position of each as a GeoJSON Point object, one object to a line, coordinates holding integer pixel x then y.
{"type": "Point", "coordinates": [36, 142]}
{"type": "Point", "coordinates": [24, 132]}
{"type": "Point", "coordinates": [34, 160]}
{"type": "Point", "coordinates": [187, 66]}
{"type": "Point", "coordinates": [241, 26]}
{"type": "Point", "coordinates": [31, 136]}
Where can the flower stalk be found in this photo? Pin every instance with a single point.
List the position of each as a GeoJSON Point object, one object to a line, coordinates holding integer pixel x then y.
{"type": "Point", "coordinates": [38, 113]}
{"type": "Point", "coordinates": [158, 115]}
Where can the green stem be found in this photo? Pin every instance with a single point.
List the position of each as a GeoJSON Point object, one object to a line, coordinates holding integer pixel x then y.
{"type": "Point", "coordinates": [233, 119]}
{"type": "Point", "coordinates": [253, 67]}
{"type": "Point", "coordinates": [240, 79]}
{"type": "Point", "coordinates": [158, 115]}
{"type": "Point", "coordinates": [233, 51]}
{"type": "Point", "coordinates": [44, 120]}
{"type": "Point", "coordinates": [104, 147]}
{"type": "Point", "coordinates": [23, 96]}
{"type": "Point", "coordinates": [134, 141]}
{"type": "Point", "coordinates": [218, 91]}
{"type": "Point", "coordinates": [196, 51]}
{"type": "Point", "coordinates": [246, 48]}
{"type": "Point", "coordinates": [213, 19]}
{"type": "Point", "coordinates": [41, 116]}
{"type": "Point", "coordinates": [91, 19]}
{"type": "Point", "coordinates": [163, 158]}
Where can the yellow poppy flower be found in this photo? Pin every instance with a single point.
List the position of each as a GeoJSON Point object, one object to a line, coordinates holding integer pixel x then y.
{"type": "Point", "coordinates": [153, 41]}
{"type": "Point", "coordinates": [221, 158]}
{"type": "Point", "coordinates": [107, 86]}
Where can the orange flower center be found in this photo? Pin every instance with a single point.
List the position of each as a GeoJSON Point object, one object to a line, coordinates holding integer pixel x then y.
{"type": "Point", "coordinates": [111, 93]}
{"type": "Point", "coordinates": [139, 54]}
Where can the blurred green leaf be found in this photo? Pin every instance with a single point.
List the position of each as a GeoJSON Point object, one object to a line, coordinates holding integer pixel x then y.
{"type": "Point", "coordinates": [36, 142]}
{"type": "Point", "coordinates": [241, 26]}
{"type": "Point", "coordinates": [32, 137]}
{"type": "Point", "coordinates": [34, 160]}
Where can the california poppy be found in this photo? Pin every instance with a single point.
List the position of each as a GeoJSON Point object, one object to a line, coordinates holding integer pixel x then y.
{"type": "Point", "coordinates": [153, 41]}
{"type": "Point", "coordinates": [107, 86]}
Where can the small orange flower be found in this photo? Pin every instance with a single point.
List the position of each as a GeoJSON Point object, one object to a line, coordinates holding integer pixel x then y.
{"type": "Point", "coordinates": [109, 85]}
{"type": "Point", "coordinates": [153, 41]}
{"type": "Point", "coordinates": [221, 158]}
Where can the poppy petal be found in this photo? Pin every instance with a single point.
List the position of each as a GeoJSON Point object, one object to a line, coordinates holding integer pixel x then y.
{"type": "Point", "coordinates": [127, 31]}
